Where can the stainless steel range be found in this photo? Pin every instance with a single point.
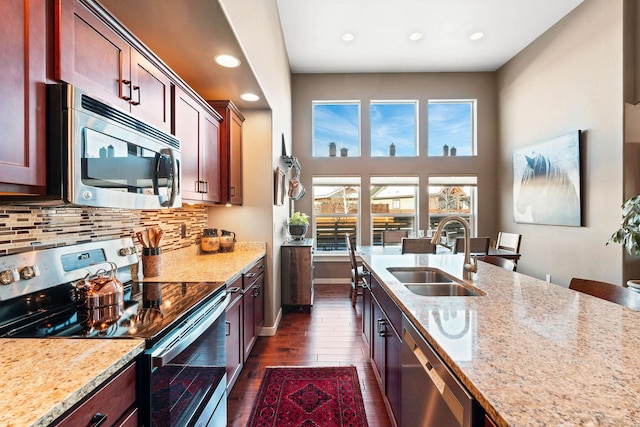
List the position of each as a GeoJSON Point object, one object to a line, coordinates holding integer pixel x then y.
{"type": "Point", "coordinates": [89, 291]}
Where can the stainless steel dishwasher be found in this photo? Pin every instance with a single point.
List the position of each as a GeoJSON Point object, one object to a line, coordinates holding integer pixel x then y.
{"type": "Point", "coordinates": [431, 395]}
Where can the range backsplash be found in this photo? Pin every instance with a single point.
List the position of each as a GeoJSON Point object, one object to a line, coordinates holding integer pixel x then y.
{"type": "Point", "coordinates": [24, 228]}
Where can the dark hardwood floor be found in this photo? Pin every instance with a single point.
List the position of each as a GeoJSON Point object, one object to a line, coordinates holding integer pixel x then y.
{"type": "Point", "coordinates": [329, 336]}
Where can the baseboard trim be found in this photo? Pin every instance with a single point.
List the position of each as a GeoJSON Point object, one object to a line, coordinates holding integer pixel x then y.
{"type": "Point", "coordinates": [270, 331]}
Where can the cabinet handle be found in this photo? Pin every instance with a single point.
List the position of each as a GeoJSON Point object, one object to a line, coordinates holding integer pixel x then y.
{"type": "Point", "coordinates": [138, 101]}
{"type": "Point", "coordinates": [256, 291]}
{"type": "Point", "coordinates": [228, 327]}
{"type": "Point", "coordinates": [127, 83]}
{"type": "Point", "coordinates": [98, 419]}
{"type": "Point", "coordinates": [232, 190]}
{"type": "Point", "coordinates": [381, 328]}
{"type": "Point", "coordinates": [250, 275]}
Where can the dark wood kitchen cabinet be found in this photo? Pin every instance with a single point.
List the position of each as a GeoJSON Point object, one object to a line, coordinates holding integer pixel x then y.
{"type": "Point", "coordinates": [234, 344]}
{"type": "Point", "coordinates": [198, 128]}
{"type": "Point", "coordinates": [253, 305]}
{"type": "Point", "coordinates": [96, 54]}
{"type": "Point", "coordinates": [386, 347]}
{"type": "Point", "coordinates": [112, 404]}
{"type": "Point", "coordinates": [22, 78]}
{"type": "Point", "coordinates": [230, 151]}
{"type": "Point", "coordinates": [297, 275]}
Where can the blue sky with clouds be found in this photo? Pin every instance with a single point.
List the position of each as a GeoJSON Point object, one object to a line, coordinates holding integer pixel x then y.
{"type": "Point", "coordinates": [450, 123]}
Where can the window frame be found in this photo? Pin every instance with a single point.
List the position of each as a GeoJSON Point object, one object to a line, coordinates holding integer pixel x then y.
{"type": "Point", "coordinates": [457, 180]}
{"type": "Point", "coordinates": [473, 124]}
{"type": "Point", "coordinates": [336, 181]}
{"type": "Point", "coordinates": [314, 103]}
{"type": "Point", "coordinates": [416, 123]}
{"type": "Point", "coordinates": [394, 181]}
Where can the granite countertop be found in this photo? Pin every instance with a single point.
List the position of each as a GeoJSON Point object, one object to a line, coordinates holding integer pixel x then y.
{"type": "Point", "coordinates": [43, 378]}
{"type": "Point", "coordinates": [532, 353]}
{"type": "Point", "coordinates": [192, 265]}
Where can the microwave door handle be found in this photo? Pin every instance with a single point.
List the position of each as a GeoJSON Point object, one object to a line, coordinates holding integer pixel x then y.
{"type": "Point", "coordinates": [172, 175]}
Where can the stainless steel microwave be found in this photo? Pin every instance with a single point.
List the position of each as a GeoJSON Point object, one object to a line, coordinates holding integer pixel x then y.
{"type": "Point", "coordinates": [101, 156]}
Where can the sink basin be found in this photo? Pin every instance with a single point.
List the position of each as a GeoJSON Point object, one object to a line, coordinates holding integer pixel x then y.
{"type": "Point", "coordinates": [419, 275]}
{"type": "Point", "coordinates": [441, 290]}
{"type": "Point", "coordinates": [431, 282]}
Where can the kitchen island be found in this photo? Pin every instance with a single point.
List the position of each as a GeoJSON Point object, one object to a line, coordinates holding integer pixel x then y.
{"type": "Point", "coordinates": [532, 353]}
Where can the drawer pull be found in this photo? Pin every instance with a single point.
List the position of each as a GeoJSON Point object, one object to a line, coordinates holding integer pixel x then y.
{"type": "Point", "coordinates": [250, 275]}
{"type": "Point", "coordinates": [228, 327]}
{"type": "Point", "coordinates": [256, 291]}
{"type": "Point", "coordinates": [98, 419]}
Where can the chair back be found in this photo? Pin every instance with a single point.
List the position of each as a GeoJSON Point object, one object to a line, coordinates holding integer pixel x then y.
{"type": "Point", "coordinates": [607, 291]}
{"type": "Point", "coordinates": [417, 246]}
{"type": "Point", "coordinates": [500, 262]}
{"type": "Point", "coordinates": [352, 252]}
{"type": "Point", "coordinates": [393, 237]}
{"type": "Point", "coordinates": [479, 245]}
{"type": "Point", "coordinates": [509, 241]}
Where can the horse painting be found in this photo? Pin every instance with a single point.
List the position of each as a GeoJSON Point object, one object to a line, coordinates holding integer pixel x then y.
{"type": "Point", "coordinates": [546, 186]}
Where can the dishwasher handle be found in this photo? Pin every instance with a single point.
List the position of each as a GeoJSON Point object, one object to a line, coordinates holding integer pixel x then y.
{"type": "Point", "coordinates": [450, 399]}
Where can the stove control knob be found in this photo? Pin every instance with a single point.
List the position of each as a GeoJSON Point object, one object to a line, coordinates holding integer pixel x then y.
{"type": "Point", "coordinates": [30, 272]}
{"type": "Point", "coordinates": [9, 276]}
{"type": "Point", "coordinates": [127, 251]}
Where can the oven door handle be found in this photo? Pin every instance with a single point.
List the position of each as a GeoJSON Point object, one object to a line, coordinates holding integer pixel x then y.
{"type": "Point", "coordinates": [189, 332]}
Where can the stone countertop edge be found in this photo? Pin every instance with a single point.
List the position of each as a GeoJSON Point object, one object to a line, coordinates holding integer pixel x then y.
{"type": "Point", "coordinates": [536, 353]}
{"type": "Point", "coordinates": [43, 378]}
{"type": "Point", "coordinates": [192, 265]}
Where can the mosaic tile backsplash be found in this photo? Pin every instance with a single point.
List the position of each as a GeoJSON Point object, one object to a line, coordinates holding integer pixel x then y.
{"type": "Point", "coordinates": [25, 228]}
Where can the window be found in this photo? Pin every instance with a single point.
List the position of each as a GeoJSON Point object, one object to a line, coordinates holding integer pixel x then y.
{"type": "Point", "coordinates": [336, 211]}
{"type": "Point", "coordinates": [452, 196]}
{"type": "Point", "coordinates": [336, 129]}
{"type": "Point", "coordinates": [393, 128]}
{"type": "Point", "coordinates": [451, 127]}
{"type": "Point", "coordinates": [393, 205]}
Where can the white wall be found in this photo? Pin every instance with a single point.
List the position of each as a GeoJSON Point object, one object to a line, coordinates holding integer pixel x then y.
{"type": "Point", "coordinates": [570, 78]}
{"type": "Point", "coordinates": [257, 28]}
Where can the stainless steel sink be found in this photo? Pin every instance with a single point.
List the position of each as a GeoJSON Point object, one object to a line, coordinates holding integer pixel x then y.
{"type": "Point", "coordinates": [441, 290]}
{"type": "Point", "coordinates": [419, 275]}
{"type": "Point", "coordinates": [431, 282]}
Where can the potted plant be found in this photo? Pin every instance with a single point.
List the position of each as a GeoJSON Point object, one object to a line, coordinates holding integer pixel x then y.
{"type": "Point", "coordinates": [628, 235]}
{"type": "Point", "coordinates": [298, 224]}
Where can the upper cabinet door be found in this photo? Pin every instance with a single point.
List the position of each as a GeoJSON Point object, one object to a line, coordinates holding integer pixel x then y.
{"type": "Point", "coordinates": [210, 158]}
{"type": "Point", "coordinates": [151, 92]}
{"type": "Point", "coordinates": [187, 118]}
{"type": "Point", "coordinates": [22, 78]}
{"type": "Point", "coordinates": [92, 56]}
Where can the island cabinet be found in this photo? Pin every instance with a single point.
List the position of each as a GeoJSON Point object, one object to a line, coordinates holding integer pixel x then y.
{"type": "Point", "coordinates": [234, 344]}
{"type": "Point", "coordinates": [297, 275]}
{"type": "Point", "coordinates": [386, 347]}
{"type": "Point", "coordinates": [112, 404]}
{"type": "Point", "coordinates": [198, 128]}
{"type": "Point", "coordinates": [230, 151]}
{"type": "Point", "coordinates": [253, 305]}
{"type": "Point", "coordinates": [22, 78]}
{"type": "Point", "coordinates": [97, 54]}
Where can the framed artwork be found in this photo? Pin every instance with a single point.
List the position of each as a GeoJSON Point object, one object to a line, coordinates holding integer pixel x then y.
{"type": "Point", "coordinates": [547, 187]}
{"type": "Point", "coordinates": [279, 192]}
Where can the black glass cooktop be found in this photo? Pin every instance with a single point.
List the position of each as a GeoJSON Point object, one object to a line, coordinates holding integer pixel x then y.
{"type": "Point", "coordinates": [150, 310]}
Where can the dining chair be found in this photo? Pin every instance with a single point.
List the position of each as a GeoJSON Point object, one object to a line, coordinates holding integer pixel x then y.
{"type": "Point", "coordinates": [417, 246]}
{"type": "Point", "coordinates": [393, 237]}
{"type": "Point", "coordinates": [357, 271]}
{"type": "Point", "coordinates": [500, 262]}
{"type": "Point", "coordinates": [509, 241]}
{"type": "Point", "coordinates": [479, 245]}
{"type": "Point", "coordinates": [607, 291]}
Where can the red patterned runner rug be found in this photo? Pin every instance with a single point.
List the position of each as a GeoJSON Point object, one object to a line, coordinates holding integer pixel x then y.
{"type": "Point", "coordinates": [309, 397]}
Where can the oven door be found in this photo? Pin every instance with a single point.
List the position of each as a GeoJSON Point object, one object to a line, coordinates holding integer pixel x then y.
{"type": "Point", "coordinates": [183, 379]}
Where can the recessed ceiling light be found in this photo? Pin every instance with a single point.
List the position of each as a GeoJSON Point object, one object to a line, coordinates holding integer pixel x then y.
{"type": "Point", "coordinates": [348, 37]}
{"type": "Point", "coordinates": [415, 36]}
{"type": "Point", "coordinates": [476, 36]}
{"type": "Point", "coordinates": [227, 61]}
{"type": "Point", "coordinates": [251, 97]}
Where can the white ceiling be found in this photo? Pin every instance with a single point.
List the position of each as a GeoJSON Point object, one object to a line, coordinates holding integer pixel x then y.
{"type": "Point", "coordinates": [187, 34]}
{"type": "Point", "coordinates": [313, 29]}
